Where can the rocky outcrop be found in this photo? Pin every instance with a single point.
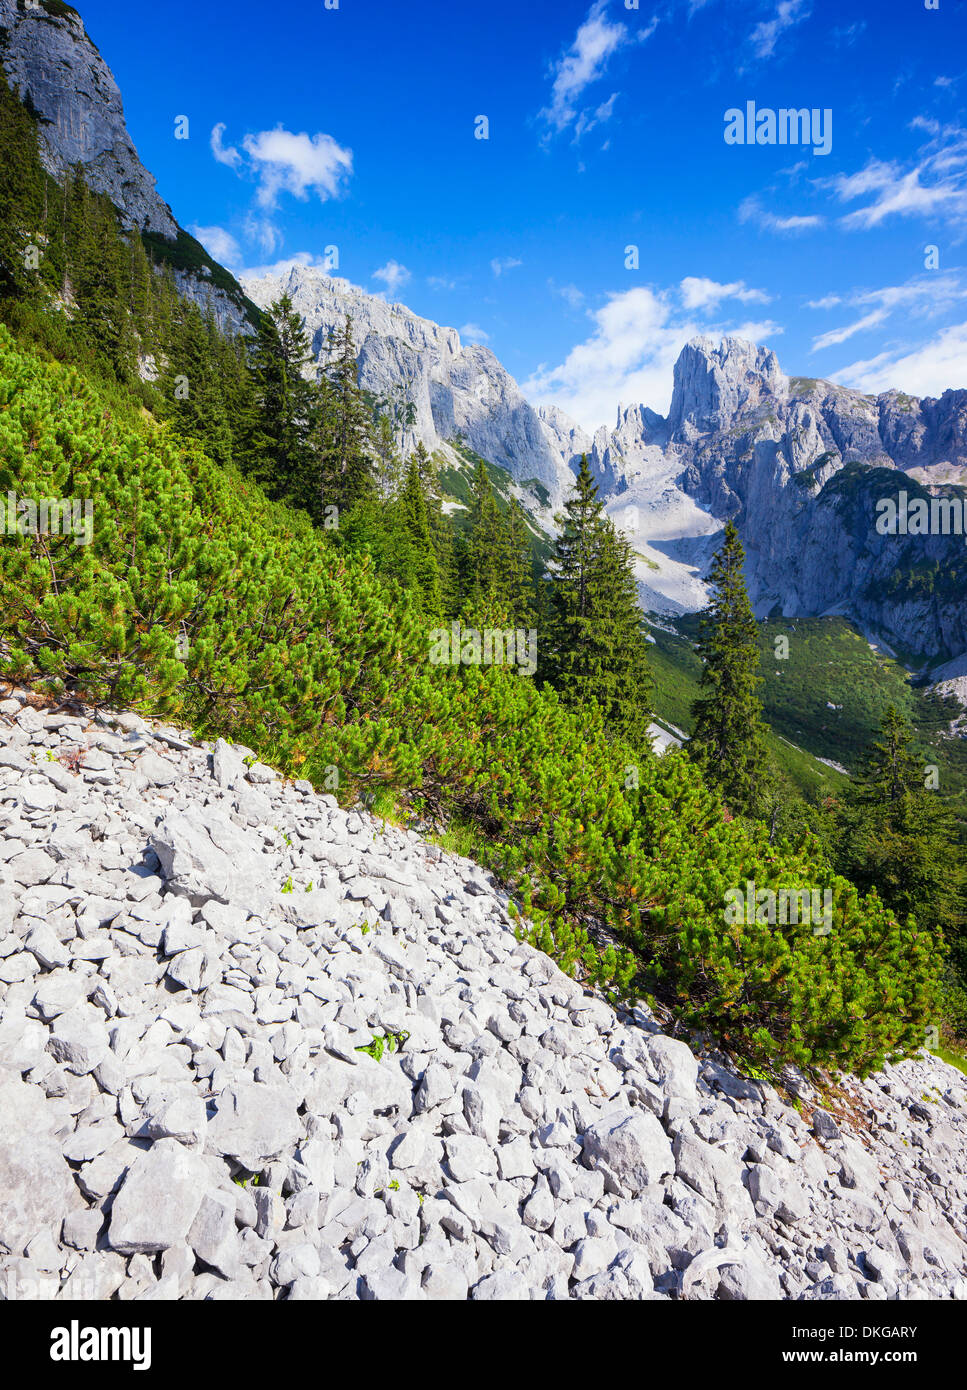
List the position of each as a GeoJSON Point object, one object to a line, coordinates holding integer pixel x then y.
{"type": "Point", "coordinates": [58, 71]}
{"type": "Point", "coordinates": [434, 387]}
{"type": "Point", "coordinates": [253, 1046]}
{"type": "Point", "coordinates": [800, 465]}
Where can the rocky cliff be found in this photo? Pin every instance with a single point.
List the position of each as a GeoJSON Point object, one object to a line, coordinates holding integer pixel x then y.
{"type": "Point", "coordinates": [253, 1046]}
{"type": "Point", "coordinates": [437, 388]}
{"type": "Point", "coordinates": [59, 73]}
{"type": "Point", "coordinates": [800, 465]}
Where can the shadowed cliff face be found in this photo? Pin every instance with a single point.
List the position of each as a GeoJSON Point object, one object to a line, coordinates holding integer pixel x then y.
{"type": "Point", "coordinates": [802, 465]}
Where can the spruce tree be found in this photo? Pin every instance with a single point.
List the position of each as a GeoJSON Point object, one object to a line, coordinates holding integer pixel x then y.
{"type": "Point", "coordinates": [345, 441]}
{"type": "Point", "coordinates": [595, 649]}
{"type": "Point", "coordinates": [415, 522]}
{"type": "Point", "coordinates": [482, 556]}
{"type": "Point", "coordinates": [728, 739]}
{"type": "Point", "coordinates": [516, 577]}
{"type": "Point", "coordinates": [441, 532]}
{"type": "Point", "coordinates": [279, 428]}
{"type": "Point", "coordinates": [22, 188]}
{"type": "Point", "coordinates": [901, 837]}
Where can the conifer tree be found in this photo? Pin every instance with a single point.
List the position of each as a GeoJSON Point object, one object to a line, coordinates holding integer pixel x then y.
{"type": "Point", "coordinates": [441, 532]}
{"type": "Point", "coordinates": [345, 443]}
{"type": "Point", "coordinates": [415, 521]}
{"type": "Point", "coordinates": [281, 423]}
{"type": "Point", "coordinates": [97, 260]}
{"type": "Point", "coordinates": [727, 739]}
{"type": "Point", "coordinates": [387, 467]}
{"type": "Point", "coordinates": [192, 385]}
{"type": "Point", "coordinates": [22, 187]}
{"type": "Point", "coordinates": [595, 648]}
{"type": "Point", "coordinates": [516, 578]}
{"type": "Point", "coordinates": [902, 837]}
{"type": "Point", "coordinates": [482, 559]}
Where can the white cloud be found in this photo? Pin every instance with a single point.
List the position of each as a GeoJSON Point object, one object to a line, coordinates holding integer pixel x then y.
{"type": "Point", "coordinates": [767, 34]}
{"type": "Point", "coordinates": [297, 164]}
{"type": "Point", "coordinates": [569, 293]}
{"type": "Point", "coordinates": [224, 154]}
{"type": "Point", "coordinates": [923, 297]}
{"type": "Point", "coordinates": [699, 293]}
{"type": "Point", "coordinates": [500, 265]}
{"type": "Point", "coordinates": [393, 276]}
{"type": "Point", "coordinates": [630, 356]}
{"type": "Point", "coordinates": [927, 370]}
{"type": "Point", "coordinates": [597, 41]}
{"type": "Point", "coordinates": [751, 210]}
{"type": "Point", "coordinates": [602, 113]}
{"type": "Point", "coordinates": [284, 162]}
{"type": "Point", "coordinates": [264, 233]}
{"type": "Point", "coordinates": [840, 335]}
{"type": "Point", "coordinates": [935, 184]}
{"type": "Point", "coordinates": [473, 333]}
{"type": "Point", "coordinates": [829, 301]}
{"type": "Point", "coordinates": [441, 282]}
{"type": "Point", "coordinates": [219, 244]}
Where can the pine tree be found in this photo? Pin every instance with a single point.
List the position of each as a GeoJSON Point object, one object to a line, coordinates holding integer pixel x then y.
{"type": "Point", "coordinates": [482, 556]}
{"type": "Point", "coordinates": [345, 442]}
{"type": "Point", "coordinates": [415, 522]}
{"type": "Point", "coordinates": [595, 649]}
{"type": "Point", "coordinates": [441, 532]}
{"type": "Point", "coordinates": [516, 577]}
{"type": "Point", "coordinates": [387, 466]}
{"type": "Point", "coordinates": [902, 837]}
{"type": "Point", "coordinates": [278, 442]}
{"type": "Point", "coordinates": [97, 265]}
{"type": "Point", "coordinates": [22, 190]}
{"type": "Point", "coordinates": [727, 740]}
{"type": "Point", "coordinates": [192, 385]}
{"type": "Point", "coordinates": [890, 771]}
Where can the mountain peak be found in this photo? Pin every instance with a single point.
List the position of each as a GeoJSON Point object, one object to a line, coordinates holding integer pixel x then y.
{"type": "Point", "coordinates": [715, 381]}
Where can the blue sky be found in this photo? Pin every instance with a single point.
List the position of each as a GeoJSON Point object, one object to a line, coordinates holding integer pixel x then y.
{"type": "Point", "coordinates": [355, 127]}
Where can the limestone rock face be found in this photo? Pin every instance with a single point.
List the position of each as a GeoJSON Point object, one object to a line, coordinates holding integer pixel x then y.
{"type": "Point", "coordinates": [55, 67]}
{"type": "Point", "coordinates": [435, 387]}
{"type": "Point", "coordinates": [715, 383]}
{"type": "Point", "coordinates": [800, 465]}
{"type": "Point", "coordinates": [51, 60]}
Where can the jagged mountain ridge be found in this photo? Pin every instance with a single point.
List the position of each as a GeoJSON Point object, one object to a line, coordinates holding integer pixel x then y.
{"type": "Point", "coordinates": [743, 440]}
{"type": "Point", "coordinates": [453, 390]}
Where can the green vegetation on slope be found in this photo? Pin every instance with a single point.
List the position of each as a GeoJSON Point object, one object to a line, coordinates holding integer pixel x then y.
{"type": "Point", "coordinates": [296, 648]}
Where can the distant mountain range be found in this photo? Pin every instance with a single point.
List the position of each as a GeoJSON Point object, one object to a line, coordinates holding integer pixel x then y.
{"type": "Point", "coordinates": [800, 464]}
